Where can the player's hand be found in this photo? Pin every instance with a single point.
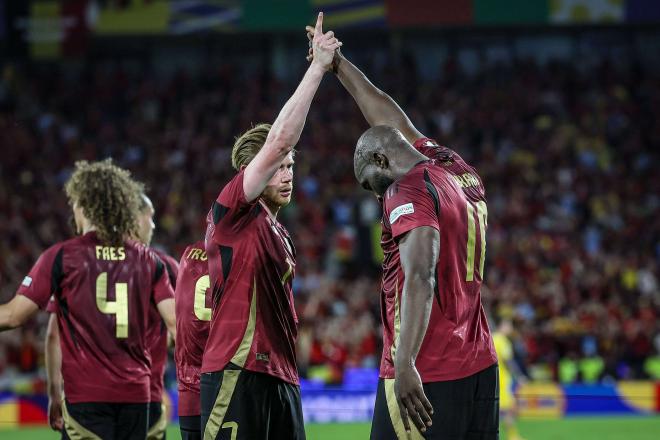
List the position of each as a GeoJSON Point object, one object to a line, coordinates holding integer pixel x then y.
{"type": "Point", "coordinates": [310, 54]}
{"type": "Point", "coordinates": [323, 46]}
{"type": "Point", "coordinates": [412, 401]}
{"type": "Point", "coordinates": [55, 413]}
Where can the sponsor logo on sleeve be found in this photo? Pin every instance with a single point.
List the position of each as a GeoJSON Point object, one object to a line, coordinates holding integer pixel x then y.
{"type": "Point", "coordinates": [397, 212]}
{"type": "Point", "coordinates": [27, 281]}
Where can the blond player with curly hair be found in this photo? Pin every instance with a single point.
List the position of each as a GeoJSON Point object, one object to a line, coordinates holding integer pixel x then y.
{"type": "Point", "coordinates": [103, 283]}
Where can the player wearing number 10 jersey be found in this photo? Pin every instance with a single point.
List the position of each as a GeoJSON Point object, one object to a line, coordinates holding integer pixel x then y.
{"type": "Point", "coordinates": [193, 312]}
{"type": "Point", "coordinates": [104, 286]}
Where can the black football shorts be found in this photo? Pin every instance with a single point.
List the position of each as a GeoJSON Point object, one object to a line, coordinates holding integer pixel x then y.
{"type": "Point", "coordinates": [244, 405]}
{"type": "Point", "coordinates": [105, 420]}
{"type": "Point", "coordinates": [463, 409]}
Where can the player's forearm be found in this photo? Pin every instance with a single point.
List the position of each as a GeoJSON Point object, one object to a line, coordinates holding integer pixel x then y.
{"type": "Point", "coordinates": [16, 312]}
{"type": "Point", "coordinates": [283, 135]}
{"type": "Point", "coordinates": [53, 362]}
{"type": "Point", "coordinates": [8, 318]}
{"type": "Point", "coordinates": [289, 124]}
{"type": "Point", "coordinates": [377, 106]}
{"type": "Point", "coordinates": [167, 312]}
{"type": "Point", "coordinates": [416, 303]}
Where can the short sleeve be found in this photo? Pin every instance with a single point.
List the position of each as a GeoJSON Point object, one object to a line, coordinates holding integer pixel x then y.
{"type": "Point", "coordinates": [162, 288]}
{"type": "Point", "coordinates": [433, 150]}
{"type": "Point", "coordinates": [409, 204]}
{"type": "Point", "coordinates": [51, 307]}
{"type": "Point", "coordinates": [230, 209]}
{"type": "Point", "coordinates": [426, 146]}
{"type": "Point", "coordinates": [43, 279]}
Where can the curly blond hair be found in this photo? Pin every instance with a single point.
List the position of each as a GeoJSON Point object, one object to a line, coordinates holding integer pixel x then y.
{"type": "Point", "coordinates": [109, 198]}
{"type": "Point", "coordinates": [248, 145]}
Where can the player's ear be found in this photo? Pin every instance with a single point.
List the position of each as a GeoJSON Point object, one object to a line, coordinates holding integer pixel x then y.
{"type": "Point", "coordinates": [242, 167]}
{"type": "Point", "coordinates": [380, 160]}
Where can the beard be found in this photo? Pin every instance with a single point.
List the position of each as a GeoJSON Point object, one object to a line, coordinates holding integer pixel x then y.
{"type": "Point", "coordinates": [273, 198]}
{"type": "Point", "coordinates": [381, 183]}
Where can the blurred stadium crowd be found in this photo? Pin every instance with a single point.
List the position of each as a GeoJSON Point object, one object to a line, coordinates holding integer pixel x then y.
{"type": "Point", "coordinates": [569, 158]}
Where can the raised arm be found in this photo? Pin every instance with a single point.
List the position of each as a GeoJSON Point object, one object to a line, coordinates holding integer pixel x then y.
{"type": "Point", "coordinates": [419, 251]}
{"type": "Point", "coordinates": [54, 374]}
{"type": "Point", "coordinates": [286, 130]}
{"type": "Point", "coordinates": [377, 106]}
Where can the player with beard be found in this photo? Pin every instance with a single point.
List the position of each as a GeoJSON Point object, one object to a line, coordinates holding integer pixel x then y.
{"type": "Point", "coordinates": [439, 366]}
{"type": "Point", "coordinates": [104, 285]}
{"type": "Point", "coordinates": [249, 383]}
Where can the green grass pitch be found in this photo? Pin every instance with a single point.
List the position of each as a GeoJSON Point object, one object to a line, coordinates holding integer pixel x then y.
{"type": "Point", "coordinates": [583, 428]}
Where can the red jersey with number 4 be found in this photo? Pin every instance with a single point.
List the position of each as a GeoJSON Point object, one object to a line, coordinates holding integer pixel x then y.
{"type": "Point", "coordinates": [104, 295]}
{"type": "Point", "coordinates": [193, 315]}
{"type": "Point", "coordinates": [251, 264]}
{"type": "Point", "coordinates": [446, 194]}
{"type": "Point", "coordinates": [157, 334]}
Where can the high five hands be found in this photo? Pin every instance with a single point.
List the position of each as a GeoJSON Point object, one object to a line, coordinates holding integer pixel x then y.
{"type": "Point", "coordinates": [322, 46]}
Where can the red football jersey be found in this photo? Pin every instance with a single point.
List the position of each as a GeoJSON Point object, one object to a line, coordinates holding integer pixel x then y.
{"type": "Point", "coordinates": [448, 195]}
{"type": "Point", "coordinates": [251, 264]}
{"type": "Point", "coordinates": [193, 316]}
{"type": "Point", "coordinates": [157, 333]}
{"type": "Point", "coordinates": [104, 295]}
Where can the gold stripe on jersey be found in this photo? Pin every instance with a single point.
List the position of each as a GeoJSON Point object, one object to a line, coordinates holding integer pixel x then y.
{"type": "Point", "coordinates": [229, 379]}
{"type": "Point", "coordinates": [397, 319]}
{"type": "Point", "coordinates": [75, 430]}
{"type": "Point", "coordinates": [244, 348]}
{"type": "Point", "coordinates": [157, 431]}
{"type": "Point", "coordinates": [288, 272]}
{"type": "Point", "coordinates": [395, 415]}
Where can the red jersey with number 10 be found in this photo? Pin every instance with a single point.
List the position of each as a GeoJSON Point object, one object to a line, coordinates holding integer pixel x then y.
{"type": "Point", "coordinates": [104, 295]}
{"type": "Point", "coordinates": [193, 316]}
{"type": "Point", "coordinates": [446, 194]}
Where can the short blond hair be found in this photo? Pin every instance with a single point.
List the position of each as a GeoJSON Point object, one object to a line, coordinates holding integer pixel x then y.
{"type": "Point", "coordinates": [248, 145]}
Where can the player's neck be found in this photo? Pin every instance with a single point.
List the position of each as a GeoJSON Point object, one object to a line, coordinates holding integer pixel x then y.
{"type": "Point", "coordinates": [271, 208]}
{"type": "Point", "coordinates": [408, 160]}
{"type": "Point", "coordinates": [88, 228]}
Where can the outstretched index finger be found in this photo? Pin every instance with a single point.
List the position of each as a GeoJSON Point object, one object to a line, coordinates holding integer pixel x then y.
{"type": "Point", "coordinates": [319, 24]}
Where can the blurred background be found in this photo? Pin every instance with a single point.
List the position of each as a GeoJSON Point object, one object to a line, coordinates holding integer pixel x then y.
{"type": "Point", "coordinates": [555, 102]}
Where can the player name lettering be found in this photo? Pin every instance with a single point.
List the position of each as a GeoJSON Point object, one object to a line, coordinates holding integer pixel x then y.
{"type": "Point", "coordinates": [466, 180]}
{"type": "Point", "coordinates": [196, 254]}
{"type": "Point", "coordinates": [110, 253]}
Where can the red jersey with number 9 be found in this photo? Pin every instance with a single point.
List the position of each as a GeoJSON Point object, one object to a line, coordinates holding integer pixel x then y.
{"type": "Point", "coordinates": [104, 295]}
{"type": "Point", "coordinates": [446, 194]}
{"type": "Point", "coordinates": [193, 316]}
